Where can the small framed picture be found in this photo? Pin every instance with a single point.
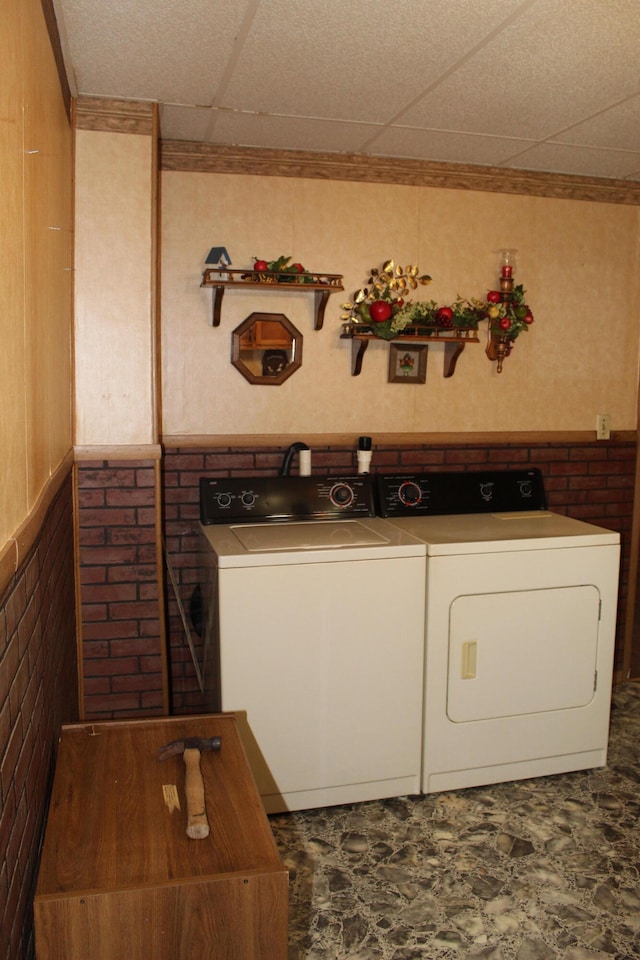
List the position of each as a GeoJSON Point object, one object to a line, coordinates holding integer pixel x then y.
{"type": "Point", "coordinates": [408, 363]}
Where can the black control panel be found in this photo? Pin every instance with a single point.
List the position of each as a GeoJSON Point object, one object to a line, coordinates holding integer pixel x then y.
{"type": "Point", "coordinates": [260, 499]}
{"type": "Point", "coordinates": [448, 492]}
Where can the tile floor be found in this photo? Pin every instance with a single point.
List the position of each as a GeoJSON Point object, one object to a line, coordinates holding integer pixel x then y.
{"type": "Point", "coordinates": [532, 870]}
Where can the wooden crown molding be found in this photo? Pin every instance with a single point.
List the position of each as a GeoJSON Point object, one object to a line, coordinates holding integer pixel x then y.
{"type": "Point", "coordinates": [115, 116]}
{"type": "Point", "coordinates": [187, 156]}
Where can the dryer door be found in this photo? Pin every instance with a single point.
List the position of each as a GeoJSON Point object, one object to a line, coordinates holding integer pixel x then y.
{"type": "Point", "coordinates": [522, 652]}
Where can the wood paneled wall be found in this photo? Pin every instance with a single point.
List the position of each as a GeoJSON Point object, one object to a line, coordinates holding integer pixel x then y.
{"type": "Point", "coordinates": [36, 250]}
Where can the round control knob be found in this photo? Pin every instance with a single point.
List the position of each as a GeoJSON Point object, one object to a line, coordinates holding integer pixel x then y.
{"type": "Point", "coordinates": [224, 499]}
{"type": "Point", "coordinates": [410, 494]}
{"type": "Point", "coordinates": [248, 499]}
{"type": "Point", "coordinates": [341, 495]}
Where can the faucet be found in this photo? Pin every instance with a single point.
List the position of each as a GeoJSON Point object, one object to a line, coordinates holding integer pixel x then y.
{"type": "Point", "coordinates": [288, 457]}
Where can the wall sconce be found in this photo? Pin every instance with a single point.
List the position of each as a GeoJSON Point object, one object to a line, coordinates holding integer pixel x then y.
{"type": "Point", "coordinates": [511, 316]}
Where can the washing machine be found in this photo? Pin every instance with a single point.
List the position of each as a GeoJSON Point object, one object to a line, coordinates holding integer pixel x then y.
{"type": "Point", "coordinates": [519, 627]}
{"type": "Point", "coordinates": [313, 612]}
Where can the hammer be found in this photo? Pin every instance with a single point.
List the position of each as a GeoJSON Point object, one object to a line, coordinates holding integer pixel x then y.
{"type": "Point", "coordinates": [191, 748]}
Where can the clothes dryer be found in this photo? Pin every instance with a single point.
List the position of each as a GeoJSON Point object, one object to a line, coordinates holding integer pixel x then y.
{"type": "Point", "coordinates": [519, 627]}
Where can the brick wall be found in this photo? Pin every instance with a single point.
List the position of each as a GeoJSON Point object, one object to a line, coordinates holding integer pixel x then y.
{"type": "Point", "coordinates": [589, 481]}
{"type": "Point", "coordinates": [123, 641]}
{"type": "Point", "coordinates": [38, 692]}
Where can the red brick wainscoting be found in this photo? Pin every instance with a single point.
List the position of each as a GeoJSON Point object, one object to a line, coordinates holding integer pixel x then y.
{"type": "Point", "coordinates": [589, 481]}
{"type": "Point", "coordinates": [121, 605]}
{"type": "Point", "coordinates": [38, 692]}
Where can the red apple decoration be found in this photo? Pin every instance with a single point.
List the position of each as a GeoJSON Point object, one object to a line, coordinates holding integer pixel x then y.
{"type": "Point", "coordinates": [505, 323]}
{"type": "Point", "coordinates": [444, 316]}
{"type": "Point", "coordinates": [261, 265]}
{"type": "Point", "coordinates": [379, 311]}
{"type": "Point", "coordinates": [494, 296]}
{"type": "Point", "coordinates": [528, 317]}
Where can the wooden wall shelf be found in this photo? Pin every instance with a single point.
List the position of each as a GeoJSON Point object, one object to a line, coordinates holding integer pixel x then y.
{"type": "Point", "coordinates": [322, 285]}
{"type": "Point", "coordinates": [454, 343]}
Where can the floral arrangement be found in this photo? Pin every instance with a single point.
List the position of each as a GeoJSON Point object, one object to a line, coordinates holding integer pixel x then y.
{"type": "Point", "coordinates": [508, 318]}
{"type": "Point", "coordinates": [428, 316]}
{"type": "Point", "coordinates": [280, 270]}
{"type": "Point", "coordinates": [382, 308]}
{"type": "Point", "coordinates": [382, 304]}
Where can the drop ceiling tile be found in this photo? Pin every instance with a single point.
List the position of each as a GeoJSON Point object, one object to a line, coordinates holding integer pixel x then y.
{"type": "Point", "coordinates": [353, 60]}
{"type": "Point", "coordinates": [288, 133]}
{"type": "Point", "coordinates": [618, 127]}
{"type": "Point", "coordinates": [558, 63]}
{"type": "Point", "coordinates": [150, 50]}
{"type": "Point", "coordinates": [442, 145]}
{"type": "Point", "coordinates": [584, 161]}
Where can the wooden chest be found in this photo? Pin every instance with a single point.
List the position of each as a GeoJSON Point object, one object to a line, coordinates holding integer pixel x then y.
{"type": "Point", "coordinates": [120, 878]}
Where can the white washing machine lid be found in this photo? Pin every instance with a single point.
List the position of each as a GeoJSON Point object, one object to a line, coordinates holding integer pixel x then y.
{"type": "Point", "coordinates": [306, 535]}
{"type": "Point", "coordinates": [310, 541]}
{"type": "Point", "coordinates": [455, 534]}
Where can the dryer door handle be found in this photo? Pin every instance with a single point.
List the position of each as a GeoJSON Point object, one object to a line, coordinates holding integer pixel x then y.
{"type": "Point", "coordinates": [469, 660]}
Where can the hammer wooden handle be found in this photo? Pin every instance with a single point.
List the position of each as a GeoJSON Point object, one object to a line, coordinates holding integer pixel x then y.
{"type": "Point", "coordinates": [197, 824]}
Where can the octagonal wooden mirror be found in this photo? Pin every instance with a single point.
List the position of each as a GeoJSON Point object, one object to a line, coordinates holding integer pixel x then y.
{"type": "Point", "coordinates": [266, 348]}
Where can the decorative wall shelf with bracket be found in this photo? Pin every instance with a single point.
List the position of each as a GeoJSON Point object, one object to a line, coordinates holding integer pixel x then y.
{"type": "Point", "coordinates": [322, 285]}
{"type": "Point", "coordinates": [454, 343]}
{"type": "Point", "coordinates": [381, 311]}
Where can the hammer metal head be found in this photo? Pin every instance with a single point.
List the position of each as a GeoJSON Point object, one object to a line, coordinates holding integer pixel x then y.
{"type": "Point", "coordinates": [189, 743]}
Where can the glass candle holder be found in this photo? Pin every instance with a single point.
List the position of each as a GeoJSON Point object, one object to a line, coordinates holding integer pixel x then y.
{"type": "Point", "coordinates": [507, 262]}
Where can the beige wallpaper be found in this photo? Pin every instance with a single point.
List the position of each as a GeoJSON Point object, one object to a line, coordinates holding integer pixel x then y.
{"type": "Point", "coordinates": [578, 261]}
{"type": "Point", "coordinates": [113, 289]}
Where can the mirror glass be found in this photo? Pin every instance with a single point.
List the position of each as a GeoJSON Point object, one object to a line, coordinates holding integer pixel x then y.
{"type": "Point", "coordinates": [266, 348]}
